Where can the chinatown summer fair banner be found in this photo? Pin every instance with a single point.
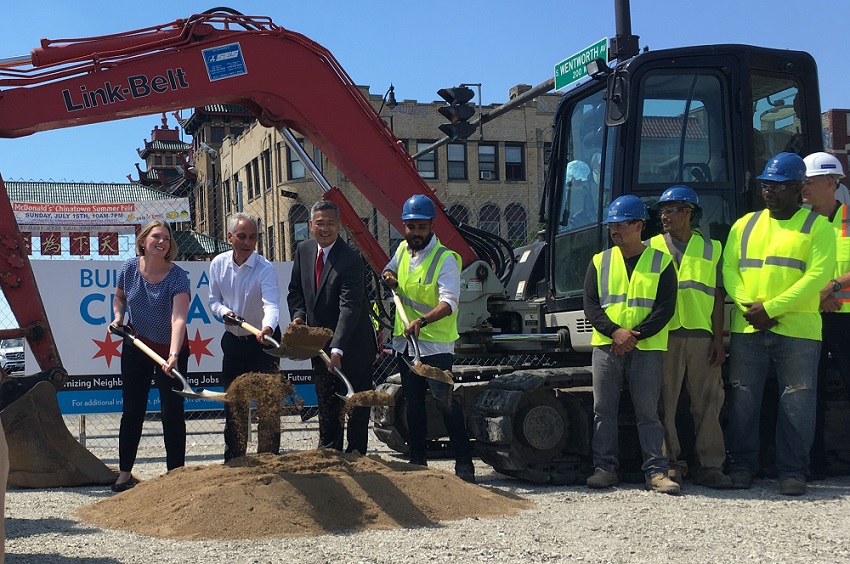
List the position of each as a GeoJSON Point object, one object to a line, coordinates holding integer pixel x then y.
{"type": "Point", "coordinates": [77, 296]}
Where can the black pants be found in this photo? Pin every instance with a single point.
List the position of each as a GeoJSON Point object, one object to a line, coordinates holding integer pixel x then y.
{"type": "Point", "coordinates": [836, 328]}
{"type": "Point", "coordinates": [415, 388]}
{"type": "Point", "coordinates": [330, 406]}
{"type": "Point", "coordinates": [242, 355]}
{"type": "Point", "coordinates": [137, 370]}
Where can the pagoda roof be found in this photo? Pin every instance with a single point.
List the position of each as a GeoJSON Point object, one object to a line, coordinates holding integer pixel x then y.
{"type": "Point", "coordinates": [159, 145]}
{"type": "Point", "coordinates": [81, 192]}
{"type": "Point", "coordinates": [198, 116]}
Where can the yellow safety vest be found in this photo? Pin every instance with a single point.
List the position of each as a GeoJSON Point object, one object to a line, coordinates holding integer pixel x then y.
{"type": "Point", "coordinates": [772, 260]}
{"type": "Point", "coordinates": [841, 225]}
{"type": "Point", "coordinates": [627, 301]}
{"type": "Point", "coordinates": [697, 275]}
{"type": "Point", "coordinates": [420, 294]}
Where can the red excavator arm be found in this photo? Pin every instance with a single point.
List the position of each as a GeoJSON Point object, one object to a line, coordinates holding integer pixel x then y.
{"type": "Point", "coordinates": [284, 78]}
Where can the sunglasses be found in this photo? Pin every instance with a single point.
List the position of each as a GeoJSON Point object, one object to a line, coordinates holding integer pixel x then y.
{"type": "Point", "coordinates": [672, 209]}
{"type": "Point", "coordinates": [776, 187]}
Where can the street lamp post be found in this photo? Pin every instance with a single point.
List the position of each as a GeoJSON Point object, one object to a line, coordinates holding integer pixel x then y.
{"type": "Point", "coordinates": [389, 101]}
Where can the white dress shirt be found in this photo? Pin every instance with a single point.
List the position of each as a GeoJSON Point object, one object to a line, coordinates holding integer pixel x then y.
{"type": "Point", "coordinates": [250, 291]}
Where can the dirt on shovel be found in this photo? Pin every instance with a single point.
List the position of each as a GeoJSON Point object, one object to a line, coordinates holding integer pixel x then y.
{"type": "Point", "coordinates": [306, 337]}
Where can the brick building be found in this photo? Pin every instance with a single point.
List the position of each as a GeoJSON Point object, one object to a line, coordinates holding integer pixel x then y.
{"type": "Point", "coordinates": [836, 134]}
{"type": "Point", "coordinates": [493, 181]}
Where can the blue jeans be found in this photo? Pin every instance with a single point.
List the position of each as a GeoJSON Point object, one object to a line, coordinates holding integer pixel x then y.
{"type": "Point", "coordinates": [642, 369]}
{"type": "Point", "coordinates": [415, 388]}
{"type": "Point", "coordinates": [796, 363]}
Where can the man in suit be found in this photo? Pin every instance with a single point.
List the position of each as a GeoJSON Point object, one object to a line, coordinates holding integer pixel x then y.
{"type": "Point", "coordinates": [328, 289]}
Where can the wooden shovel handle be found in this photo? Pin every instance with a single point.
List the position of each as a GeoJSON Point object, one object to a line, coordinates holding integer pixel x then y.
{"type": "Point", "coordinates": [399, 307]}
{"type": "Point", "coordinates": [236, 320]}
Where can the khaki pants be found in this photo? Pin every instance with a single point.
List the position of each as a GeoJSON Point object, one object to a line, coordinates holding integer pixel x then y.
{"type": "Point", "coordinates": [705, 387]}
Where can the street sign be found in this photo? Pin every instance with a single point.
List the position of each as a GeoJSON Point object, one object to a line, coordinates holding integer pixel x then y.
{"type": "Point", "coordinates": [572, 69]}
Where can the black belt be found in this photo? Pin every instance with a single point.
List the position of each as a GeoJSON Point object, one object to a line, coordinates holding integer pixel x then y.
{"type": "Point", "coordinates": [242, 337]}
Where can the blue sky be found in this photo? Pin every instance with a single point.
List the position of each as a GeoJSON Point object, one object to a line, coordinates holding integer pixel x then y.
{"type": "Point", "coordinates": [419, 47]}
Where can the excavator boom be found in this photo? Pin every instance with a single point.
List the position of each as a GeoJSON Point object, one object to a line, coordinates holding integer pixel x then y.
{"type": "Point", "coordinates": [203, 60]}
{"type": "Point", "coordinates": [213, 58]}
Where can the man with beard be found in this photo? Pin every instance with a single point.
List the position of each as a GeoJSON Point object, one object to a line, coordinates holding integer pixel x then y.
{"type": "Point", "coordinates": [328, 289]}
{"type": "Point", "coordinates": [427, 277]}
{"type": "Point", "coordinates": [629, 298]}
{"type": "Point", "coordinates": [775, 264]}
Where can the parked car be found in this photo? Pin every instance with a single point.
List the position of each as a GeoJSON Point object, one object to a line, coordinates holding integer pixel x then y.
{"type": "Point", "coordinates": [12, 355]}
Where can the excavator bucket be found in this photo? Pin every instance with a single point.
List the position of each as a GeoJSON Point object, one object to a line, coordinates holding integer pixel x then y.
{"type": "Point", "coordinates": [42, 452]}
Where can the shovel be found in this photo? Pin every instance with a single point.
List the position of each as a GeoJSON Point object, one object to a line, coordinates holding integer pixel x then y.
{"type": "Point", "coordinates": [417, 366]}
{"type": "Point", "coordinates": [277, 350]}
{"type": "Point", "coordinates": [187, 391]}
{"type": "Point", "coordinates": [295, 353]}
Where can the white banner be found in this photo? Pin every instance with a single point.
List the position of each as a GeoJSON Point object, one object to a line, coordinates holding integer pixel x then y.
{"type": "Point", "coordinates": [173, 210]}
{"type": "Point", "coordinates": [77, 297]}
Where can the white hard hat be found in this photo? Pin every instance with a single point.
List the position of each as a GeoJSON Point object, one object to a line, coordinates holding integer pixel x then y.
{"type": "Point", "coordinates": [822, 164]}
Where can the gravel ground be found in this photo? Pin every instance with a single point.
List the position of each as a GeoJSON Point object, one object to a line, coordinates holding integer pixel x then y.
{"type": "Point", "coordinates": [625, 524]}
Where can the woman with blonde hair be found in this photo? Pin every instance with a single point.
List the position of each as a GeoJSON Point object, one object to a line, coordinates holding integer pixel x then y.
{"type": "Point", "coordinates": [154, 293]}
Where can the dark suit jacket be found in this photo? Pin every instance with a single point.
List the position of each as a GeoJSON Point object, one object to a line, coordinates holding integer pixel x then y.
{"type": "Point", "coordinates": [340, 304]}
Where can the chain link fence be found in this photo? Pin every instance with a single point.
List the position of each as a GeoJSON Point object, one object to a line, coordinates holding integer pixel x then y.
{"type": "Point", "coordinates": [83, 222]}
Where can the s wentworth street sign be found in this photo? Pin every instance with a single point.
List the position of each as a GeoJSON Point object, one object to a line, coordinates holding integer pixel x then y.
{"type": "Point", "coordinates": [572, 68]}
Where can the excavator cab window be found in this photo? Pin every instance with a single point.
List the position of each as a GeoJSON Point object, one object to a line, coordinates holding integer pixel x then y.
{"type": "Point", "coordinates": [684, 138]}
{"type": "Point", "coordinates": [777, 123]}
{"type": "Point", "coordinates": [584, 192]}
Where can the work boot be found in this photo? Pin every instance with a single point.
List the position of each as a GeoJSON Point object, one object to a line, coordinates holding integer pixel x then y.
{"type": "Point", "coordinates": [602, 479]}
{"type": "Point", "coordinates": [675, 473]}
{"type": "Point", "coordinates": [792, 486]}
{"type": "Point", "coordinates": [465, 471]}
{"type": "Point", "coordinates": [741, 479]}
{"type": "Point", "coordinates": [662, 484]}
{"type": "Point", "coordinates": [713, 478]}
{"type": "Point", "coordinates": [418, 460]}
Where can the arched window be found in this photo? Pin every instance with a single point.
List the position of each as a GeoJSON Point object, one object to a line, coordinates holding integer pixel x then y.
{"type": "Point", "coordinates": [517, 224]}
{"type": "Point", "coordinates": [299, 229]}
{"type": "Point", "coordinates": [459, 212]}
{"type": "Point", "coordinates": [489, 219]}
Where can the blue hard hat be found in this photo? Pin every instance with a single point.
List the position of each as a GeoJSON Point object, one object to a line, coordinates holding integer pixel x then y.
{"type": "Point", "coordinates": [625, 208]}
{"type": "Point", "coordinates": [418, 207]}
{"type": "Point", "coordinates": [680, 193]}
{"type": "Point", "coordinates": [784, 167]}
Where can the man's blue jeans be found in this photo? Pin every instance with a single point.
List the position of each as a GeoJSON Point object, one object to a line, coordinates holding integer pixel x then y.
{"type": "Point", "coordinates": [642, 369]}
{"type": "Point", "coordinates": [795, 361]}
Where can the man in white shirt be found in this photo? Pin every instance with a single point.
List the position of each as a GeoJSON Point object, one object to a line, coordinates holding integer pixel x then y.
{"type": "Point", "coordinates": [244, 284]}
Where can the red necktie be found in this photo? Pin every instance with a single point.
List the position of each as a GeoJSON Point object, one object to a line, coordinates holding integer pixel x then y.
{"type": "Point", "coordinates": [320, 266]}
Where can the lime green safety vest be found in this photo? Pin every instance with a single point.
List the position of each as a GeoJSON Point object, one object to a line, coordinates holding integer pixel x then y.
{"type": "Point", "coordinates": [419, 293]}
{"type": "Point", "coordinates": [626, 301]}
{"type": "Point", "coordinates": [841, 225]}
{"type": "Point", "coordinates": [697, 281]}
{"type": "Point", "coordinates": [771, 261]}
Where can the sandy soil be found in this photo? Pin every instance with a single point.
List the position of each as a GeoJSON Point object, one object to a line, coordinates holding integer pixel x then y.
{"type": "Point", "coordinates": [303, 494]}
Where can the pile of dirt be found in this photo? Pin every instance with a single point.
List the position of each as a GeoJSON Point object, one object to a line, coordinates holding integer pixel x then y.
{"type": "Point", "coordinates": [302, 494]}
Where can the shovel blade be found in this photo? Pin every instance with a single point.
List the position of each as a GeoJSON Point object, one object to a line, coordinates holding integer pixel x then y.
{"type": "Point", "coordinates": [202, 394]}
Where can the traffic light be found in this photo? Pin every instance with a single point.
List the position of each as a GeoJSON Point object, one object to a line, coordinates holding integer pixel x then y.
{"type": "Point", "coordinates": [457, 112]}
